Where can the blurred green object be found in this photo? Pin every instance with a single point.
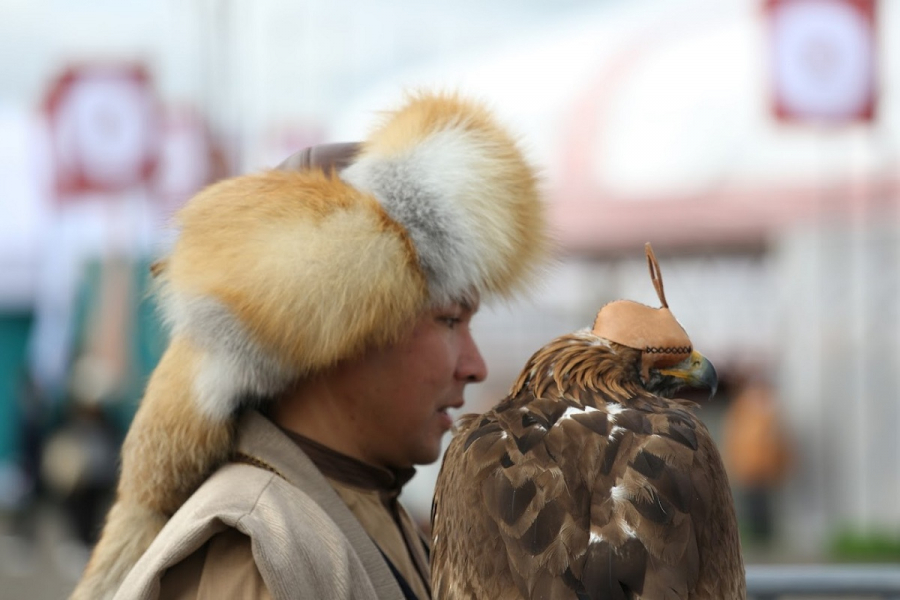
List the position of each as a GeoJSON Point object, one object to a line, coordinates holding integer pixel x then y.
{"type": "Point", "coordinates": [854, 546]}
{"type": "Point", "coordinates": [15, 328]}
{"type": "Point", "coordinates": [144, 340]}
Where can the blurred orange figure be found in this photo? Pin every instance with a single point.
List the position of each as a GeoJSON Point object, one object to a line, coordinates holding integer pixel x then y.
{"type": "Point", "coordinates": [757, 455]}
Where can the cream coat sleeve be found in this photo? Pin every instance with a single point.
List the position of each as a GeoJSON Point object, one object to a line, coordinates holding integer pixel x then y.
{"type": "Point", "coordinates": [222, 568]}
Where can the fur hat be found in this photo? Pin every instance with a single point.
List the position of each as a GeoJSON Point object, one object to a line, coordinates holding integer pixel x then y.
{"type": "Point", "coordinates": [286, 272]}
{"type": "Point", "coordinates": [282, 273]}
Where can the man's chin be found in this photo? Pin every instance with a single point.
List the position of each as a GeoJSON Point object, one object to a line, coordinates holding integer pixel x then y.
{"type": "Point", "coordinates": [428, 456]}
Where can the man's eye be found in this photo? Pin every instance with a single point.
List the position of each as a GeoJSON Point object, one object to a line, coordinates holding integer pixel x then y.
{"type": "Point", "coordinates": [451, 322]}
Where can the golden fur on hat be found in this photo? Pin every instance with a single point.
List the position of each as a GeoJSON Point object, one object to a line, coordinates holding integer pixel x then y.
{"type": "Point", "coordinates": [279, 274]}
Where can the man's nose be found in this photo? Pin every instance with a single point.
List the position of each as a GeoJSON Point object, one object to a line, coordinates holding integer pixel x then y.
{"type": "Point", "coordinates": [472, 367]}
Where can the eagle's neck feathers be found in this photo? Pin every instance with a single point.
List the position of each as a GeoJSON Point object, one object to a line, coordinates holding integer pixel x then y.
{"type": "Point", "coordinates": [582, 362]}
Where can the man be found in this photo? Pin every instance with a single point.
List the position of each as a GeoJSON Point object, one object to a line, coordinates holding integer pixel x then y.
{"type": "Point", "coordinates": [320, 320]}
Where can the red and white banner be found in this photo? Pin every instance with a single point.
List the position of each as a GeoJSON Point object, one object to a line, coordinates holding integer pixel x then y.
{"type": "Point", "coordinates": [823, 60]}
{"type": "Point", "coordinates": [104, 128]}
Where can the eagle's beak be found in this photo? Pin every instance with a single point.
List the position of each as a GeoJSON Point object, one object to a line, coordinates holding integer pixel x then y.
{"type": "Point", "coordinates": [696, 371]}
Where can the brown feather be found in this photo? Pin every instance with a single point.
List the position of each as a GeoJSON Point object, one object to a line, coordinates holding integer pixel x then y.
{"type": "Point", "coordinates": [581, 484]}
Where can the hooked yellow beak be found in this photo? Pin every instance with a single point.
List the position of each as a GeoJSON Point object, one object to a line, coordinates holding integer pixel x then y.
{"type": "Point", "coordinates": [695, 371]}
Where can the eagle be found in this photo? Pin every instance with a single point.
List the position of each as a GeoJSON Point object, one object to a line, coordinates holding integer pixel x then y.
{"type": "Point", "coordinates": [589, 481]}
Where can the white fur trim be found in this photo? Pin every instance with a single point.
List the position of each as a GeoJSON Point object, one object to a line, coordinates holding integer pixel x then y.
{"type": "Point", "coordinates": [429, 190]}
{"type": "Point", "coordinates": [225, 381]}
{"type": "Point", "coordinates": [233, 369]}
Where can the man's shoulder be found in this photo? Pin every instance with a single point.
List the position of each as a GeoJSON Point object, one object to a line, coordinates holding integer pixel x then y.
{"type": "Point", "coordinates": [236, 483]}
{"type": "Point", "coordinates": [295, 544]}
{"type": "Point", "coordinates": [258, 503]}
{"type": "Point", "coordinates": [239, 491]}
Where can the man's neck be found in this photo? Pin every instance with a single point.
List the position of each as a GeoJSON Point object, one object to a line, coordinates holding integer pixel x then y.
{"type": "Point", "coordinates": [316, 408]}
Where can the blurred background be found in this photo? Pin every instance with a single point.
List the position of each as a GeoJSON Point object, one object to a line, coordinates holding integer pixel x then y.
{"type": "Point", "coordinates": [755, 143]}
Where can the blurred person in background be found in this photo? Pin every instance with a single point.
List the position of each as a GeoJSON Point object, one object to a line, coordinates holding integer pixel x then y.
{"type": "Point", "coordinates": [758, 457]}
{"type": "Point", "coordinates": [79, 460]}
{"type": "Point", "coordinates": [109, 340]}
{"type": "Point", "coordinates": [320, 333]}
{"type": "Point", "coordinates": [20, 482]}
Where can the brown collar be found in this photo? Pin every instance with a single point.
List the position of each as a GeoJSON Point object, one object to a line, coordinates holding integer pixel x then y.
{"type": "Point", "coordinates": [351, 471]}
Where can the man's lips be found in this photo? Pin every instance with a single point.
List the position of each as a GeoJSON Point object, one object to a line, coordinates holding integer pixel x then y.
{"type": "Point", "coordinates": [446, 419]}
{"type": "Point", "coordinates": [444, 413]}
{"type": "Point", "coordinates": [455, 404]}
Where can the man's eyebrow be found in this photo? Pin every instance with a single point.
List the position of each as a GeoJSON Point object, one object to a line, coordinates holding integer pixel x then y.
{"type": "Point", "coordinates": [469, 306]}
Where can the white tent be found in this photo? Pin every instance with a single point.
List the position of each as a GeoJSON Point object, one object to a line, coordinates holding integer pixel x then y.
{"type": "Point", "coordinates": [653, 120]}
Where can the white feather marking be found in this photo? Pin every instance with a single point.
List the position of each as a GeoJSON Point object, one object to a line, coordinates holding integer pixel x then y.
{"type": "Point", "coordinates": [596, 538]}
{"type": "Point", "coordinates": [614, 408]}
{"type": "Point", "coordinates": [572, 410]}
{"type": "Point", "coordinates": [569, 412]}
{"type": "Point", "coordinates": [588, 335]}
{"type": "Point", "coordinates": [618, 493]}
{"type": "Point", "coordinates": [615, 431]}
{"type": "Point", "coordinates": [626, 528]}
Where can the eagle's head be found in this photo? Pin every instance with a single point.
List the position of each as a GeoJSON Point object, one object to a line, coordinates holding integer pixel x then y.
{"type": "Point", "coordinates": [632, 348]}
{"type": "Point", "coordinates": [694, 371]}
{"type": "Point", "coordinates": [666, 359]}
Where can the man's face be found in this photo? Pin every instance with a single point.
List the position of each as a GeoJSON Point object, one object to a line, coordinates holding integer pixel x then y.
{"type": "Point", "coordinates": [399, 395]}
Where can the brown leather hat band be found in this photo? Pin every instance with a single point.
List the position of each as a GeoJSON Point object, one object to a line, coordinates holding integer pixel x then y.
{"type": "Point", "coordinates": [323, 156]}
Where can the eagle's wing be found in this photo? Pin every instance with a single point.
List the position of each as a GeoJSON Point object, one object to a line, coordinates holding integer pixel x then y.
{"type": "Point", "coordinates": [554, 499]}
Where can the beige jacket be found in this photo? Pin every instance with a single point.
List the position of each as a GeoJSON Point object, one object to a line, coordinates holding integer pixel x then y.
{"type": "Point", "coordinates": [305, 541]}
